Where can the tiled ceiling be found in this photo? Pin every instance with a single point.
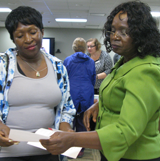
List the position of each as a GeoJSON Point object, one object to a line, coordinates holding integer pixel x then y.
{"type": "Point", "coordinates": [52, 9]}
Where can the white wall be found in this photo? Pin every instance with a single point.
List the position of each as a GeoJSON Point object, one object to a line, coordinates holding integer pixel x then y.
{"type": "Point", "coordinates": [63, 39]}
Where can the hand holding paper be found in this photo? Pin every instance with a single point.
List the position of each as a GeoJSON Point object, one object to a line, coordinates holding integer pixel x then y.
{"type": "Point", "coordinates": [60, 142]}
{"type": "Point", "coordinates": [33, 139]}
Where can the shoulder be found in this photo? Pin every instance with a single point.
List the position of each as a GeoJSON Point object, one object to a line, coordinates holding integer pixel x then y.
{"type": "Point", "coordinates": [9, 54]}
{"type": "Point", "coordinates": [68, 58]}
{"type": "Point", "coordinates": [146, 67]}
{"type": "Point", "coordinates": [56, 62]}
{"type": "Point", "coordinates": [88, 54]}
{"type": "Point", "coordinates": [52, 58]}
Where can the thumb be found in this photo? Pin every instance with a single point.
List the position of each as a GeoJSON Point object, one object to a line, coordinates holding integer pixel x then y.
{"type": "Point", "coordinates": [95, 117]}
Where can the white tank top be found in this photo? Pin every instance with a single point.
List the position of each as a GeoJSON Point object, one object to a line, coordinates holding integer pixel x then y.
{"type": "Point", "coordinates": [31, 103]}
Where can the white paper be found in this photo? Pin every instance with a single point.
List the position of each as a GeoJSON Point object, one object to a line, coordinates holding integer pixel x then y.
{"type": "Point", "coordinates": [20, 135]}
{"type": "Point", "coordinates": [71, 152]}
{"type": "Point", "coordinates": [33, 139]}
{"type": "Point", "coordinates": [96, 96]}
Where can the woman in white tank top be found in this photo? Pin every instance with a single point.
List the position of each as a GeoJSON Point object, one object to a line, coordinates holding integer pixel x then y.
{"type": "Point", "coordinates": [35, 87]}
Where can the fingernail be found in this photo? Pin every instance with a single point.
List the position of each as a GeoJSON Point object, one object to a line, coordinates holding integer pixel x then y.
{"type": "Point", "coordinates": [10, 141]}
{"type": "Point", "coordinates": [16, 143]}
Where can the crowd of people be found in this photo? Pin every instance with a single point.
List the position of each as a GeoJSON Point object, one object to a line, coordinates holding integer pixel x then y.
{"type": "Point", "coordinates": [39, 91]}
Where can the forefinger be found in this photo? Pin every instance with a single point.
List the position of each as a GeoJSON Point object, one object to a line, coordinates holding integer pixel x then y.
{"type": "Point", "coordinates": [86, 121]}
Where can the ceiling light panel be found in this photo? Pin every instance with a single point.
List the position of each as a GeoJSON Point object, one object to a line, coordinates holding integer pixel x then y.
{"type": "Point", "coordinates": [70, 20]}
{"type": "Point", "coordinates": [5, 10]}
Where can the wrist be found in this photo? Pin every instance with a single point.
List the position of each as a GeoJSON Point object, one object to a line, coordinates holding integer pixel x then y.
{"type": "Point", "coordinates": [96, 76]}
{"type": "Point", "coordinates": [64, 126]}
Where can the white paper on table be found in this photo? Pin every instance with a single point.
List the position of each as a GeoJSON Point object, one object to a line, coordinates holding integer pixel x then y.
{"type": "Point", "coordinates": [21, 135]}
{"type": "Point", "coordinates": [71, 152]}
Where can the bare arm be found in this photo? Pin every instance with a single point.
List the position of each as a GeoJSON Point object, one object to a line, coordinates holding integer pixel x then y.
{"type": "Point", "coordinates": [101, 75]}
{"type": "Point", "coordinates": [64, 126]}
{"type": "Point", "coordinates": [61, 141]}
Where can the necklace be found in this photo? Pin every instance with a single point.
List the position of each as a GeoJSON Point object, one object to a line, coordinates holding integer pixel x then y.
{"type": "Point", "coordinates": [37, 72]}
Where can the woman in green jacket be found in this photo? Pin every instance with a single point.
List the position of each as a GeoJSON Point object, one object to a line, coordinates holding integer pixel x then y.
{"type": "Point", "coordinates": [127, 113]}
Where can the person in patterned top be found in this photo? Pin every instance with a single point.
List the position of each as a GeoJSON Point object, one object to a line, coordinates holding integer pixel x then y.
{"type": "Point", "coordinates": [103, 61]}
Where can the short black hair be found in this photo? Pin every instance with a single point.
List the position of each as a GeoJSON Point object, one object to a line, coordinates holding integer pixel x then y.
{"type": "Point", "coordinates": [142, 28]}
{"type": "Point", "coordinates": [25, 15]}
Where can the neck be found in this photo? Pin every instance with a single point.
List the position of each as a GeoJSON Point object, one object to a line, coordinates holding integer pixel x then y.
{"type": "Point", "coordinates": [35, 60]}
{"type": "Point", "coordinates": [126, 59]}
{"type": "Point", "coordinates": [97, 53]}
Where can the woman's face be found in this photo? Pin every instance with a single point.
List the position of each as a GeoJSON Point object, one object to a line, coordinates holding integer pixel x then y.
{"type": "Point", "coordinates": [121, 42]}
{"type": "Point", "coordinates": [91, 47]}
{"type": "Point", "coordinates": [28, 40]}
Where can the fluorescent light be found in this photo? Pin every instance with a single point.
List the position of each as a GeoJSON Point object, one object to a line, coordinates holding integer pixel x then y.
{"type": "Point", "coordinates": [5, 10]}
{"type": "Point", "coordinates": [70, 20]}
{"type": "Point", "coordinates": [155, 14]}
{"type": "Point", "coordinates": [97, 14]}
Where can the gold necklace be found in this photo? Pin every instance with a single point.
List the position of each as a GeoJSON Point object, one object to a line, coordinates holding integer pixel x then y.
{"type": "Point", "coordinates": [37, 72]}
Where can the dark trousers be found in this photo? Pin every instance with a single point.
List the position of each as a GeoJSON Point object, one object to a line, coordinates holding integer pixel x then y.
{"type": "Point", "coordinates": [78, 124]}
{"type": "Point", "coordinates": [104, 159]}
{"type": "Point", "coordinates": [47, 157]}
{"type": "Point", "coordinates": [96, 91]}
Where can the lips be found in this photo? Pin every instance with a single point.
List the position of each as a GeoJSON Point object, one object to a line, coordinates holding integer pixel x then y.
{"type": "Point", "coordinates": [31, 47]}
{"type": "Point", "coordinates": [114, 46]}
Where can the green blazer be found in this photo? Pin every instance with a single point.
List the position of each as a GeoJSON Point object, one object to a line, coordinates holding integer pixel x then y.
{"type": "Point", "coordinates": [129, 103]}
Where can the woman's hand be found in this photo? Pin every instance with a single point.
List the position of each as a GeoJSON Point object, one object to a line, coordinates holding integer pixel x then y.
{"type": "Point", "coordinates": [59, 142]}
{"type": "Point", "coordinates": [91, 112]}
{"type": "Point", "coordinates": [4, 133]}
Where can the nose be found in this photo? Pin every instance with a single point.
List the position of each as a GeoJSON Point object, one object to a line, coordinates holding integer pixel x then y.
{"type": "Point", "coordinates": [28, 38]}
{"type": "Point", "coordinates": [116, 35]}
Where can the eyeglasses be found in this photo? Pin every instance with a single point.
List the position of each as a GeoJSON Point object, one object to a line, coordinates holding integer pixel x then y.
{"type": "Point", "coordinates": [121, 34]}
{"type": "Point", "coordinates": [91, 46]}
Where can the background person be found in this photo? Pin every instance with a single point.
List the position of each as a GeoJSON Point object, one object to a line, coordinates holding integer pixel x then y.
{"type": "Point", "coordinates": [82, 77]}
{"type": "Point", "coordinates": [103, 61]}
{"type": "Point", "coordinates": [34, 87]}
{"type": "Point", "coordinates": [128, 109]}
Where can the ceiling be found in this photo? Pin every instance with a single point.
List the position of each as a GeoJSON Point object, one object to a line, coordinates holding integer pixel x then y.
{"type": "Point", "coordinates": [52, 9]}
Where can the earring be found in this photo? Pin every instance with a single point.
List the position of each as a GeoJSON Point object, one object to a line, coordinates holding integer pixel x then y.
{"type": "Point", "coordinates": [16, 51]}
{"type": "Point", "coordinates": [139, 49]}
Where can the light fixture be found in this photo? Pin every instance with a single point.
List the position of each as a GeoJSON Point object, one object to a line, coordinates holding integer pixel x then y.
{"type": "Point", "coordinates": [97, 14]}
{"type": "Point", "coordinates": [155, 14]}
{"type": "Point", "coordinates": [70, 20]}
{"type": "Point", "coordinates": [5, 10]}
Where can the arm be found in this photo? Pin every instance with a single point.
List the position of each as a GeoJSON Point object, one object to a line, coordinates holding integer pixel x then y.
{"type": "Point", "coordinates": [66, 108]}
{"type": "Point", "coordinates": [101, 75]}
{"type": "Point", "coordinates": [64, 126]}
{"type": "Point", "coordinates": [107, 66]}
{"type": "Point", "coordinates": [61, 141]}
